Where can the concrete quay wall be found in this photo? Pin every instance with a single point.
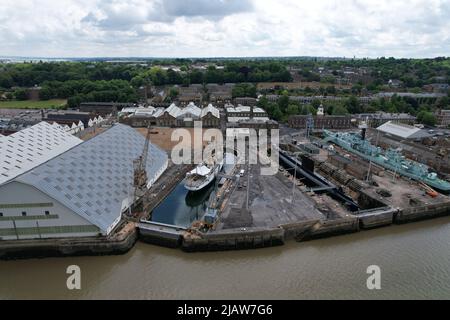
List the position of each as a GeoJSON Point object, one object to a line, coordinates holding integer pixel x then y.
{"type": "Point", "coordinates": [44, 248]}
{"type": "Point", "coordinates": [329, 228]}
{"type": "Point", "coordinates": [422, 213]}
{"type": "Point", "coordinates": [234, 239]}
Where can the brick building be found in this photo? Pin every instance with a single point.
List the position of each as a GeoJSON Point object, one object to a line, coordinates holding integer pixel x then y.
{"type": "Point", "coordinates": [321, 122]}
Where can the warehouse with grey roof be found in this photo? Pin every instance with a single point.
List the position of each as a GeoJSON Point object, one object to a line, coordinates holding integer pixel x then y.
{"type": "Point", "coordinates": [80, 192]}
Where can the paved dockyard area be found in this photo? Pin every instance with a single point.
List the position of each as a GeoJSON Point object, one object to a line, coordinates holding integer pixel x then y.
{"type": "Point", "coordinates": [403, 192]}
{"type": "Point", "coordinates": [270, 203]}
{"type": "Point", "coordinates": [161, 136]}
{"type": "Point", "coordinates": [398, 192]}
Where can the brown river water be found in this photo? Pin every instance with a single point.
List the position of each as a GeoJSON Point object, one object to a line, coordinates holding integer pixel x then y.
{"type": "Point", "coordinates": [414, 261]}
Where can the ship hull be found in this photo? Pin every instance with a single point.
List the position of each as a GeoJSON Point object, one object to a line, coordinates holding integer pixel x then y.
{"type": "Point", "coordinates": [207, 180]}
{"type": "Point", "coordinates": [380, 161]}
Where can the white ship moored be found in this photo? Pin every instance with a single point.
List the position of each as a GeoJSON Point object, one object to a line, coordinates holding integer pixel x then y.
{"type": "Point", "coordinates": [202, 176]}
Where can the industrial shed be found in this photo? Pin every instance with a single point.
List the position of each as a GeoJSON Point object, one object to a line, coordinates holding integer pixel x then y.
{"type": "Point", "coordinates": [81, 192]}
{"type": "Point", "coordinates": [28, 148]}
{"type": "Point", "coordinates": [403, 131]}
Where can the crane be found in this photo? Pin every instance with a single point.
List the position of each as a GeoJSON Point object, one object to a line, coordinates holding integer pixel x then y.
{"type": "Point", "coordinates": [140, 173]}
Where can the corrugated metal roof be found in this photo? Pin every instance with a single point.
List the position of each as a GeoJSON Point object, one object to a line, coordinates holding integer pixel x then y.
{"type": "Point", "coordinates": [190, 111]}
{"type": "Point", "coordinates": [158, 112]}
{"type": "Point", "coordinates": [258, 110]}
{"type": "Point", "coordinates": [239, 108]}
{"type": "Point", "coordinates": [145, 111]}
{"type": "Point", "coordinates": [173, 110]}
{"type": "Point", "coordinates": [29, 148]}
{"type": "Point", "coordinates": [400, 130]}
{"type": "Point", "coordinates": [94, 179]}
{"type": "Point", "coordinates": [214, 111]}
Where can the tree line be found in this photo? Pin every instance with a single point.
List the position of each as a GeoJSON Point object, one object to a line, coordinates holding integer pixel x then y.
{"type": "Point", "coordinates": [284, 107]}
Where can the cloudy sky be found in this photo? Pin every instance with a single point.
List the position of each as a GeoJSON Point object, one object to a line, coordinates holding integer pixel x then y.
{"type": "Point", "coordinates": [206, 28]}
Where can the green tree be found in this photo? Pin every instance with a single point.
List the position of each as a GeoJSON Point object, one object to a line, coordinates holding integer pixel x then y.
{"type": "Point", "coordinates": [20, 94]}
{"type": "Point", "coordinates": [158, 76]}
{"type": "Point", "coordinates": [316, 103]}
{"type": "Point", "coordinates": [244, 90]}
{"type": "Point", "coordinates": [427, 118]}
{"type": "Point", "coordinates": [283, 102]}
{"type": "Point", "coordinates": [6, 81]}
{"type": "Point", "coordinates": [293, 109]}
{"type": "Point", "coordinates": [276, 114]}
{"type": "Point", "coordinates": [46, 93]}
{"type": "Point", "coordinates": [173, 93]}
{"type": "Point", "coordinates": [263, 103]}
{"type": "Point", "coordinates": [339, 110]}
{"type": "Point", "coordinates": [74, 102]}
{"type": "Point", "coordinates": [308, 109]}
{"type": "Point", "coordinates": [353, 105]}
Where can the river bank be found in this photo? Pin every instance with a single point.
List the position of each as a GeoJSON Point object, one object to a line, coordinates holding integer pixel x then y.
{"type": "Point", "coordinates": [413, 258]}
{"type": "Point", "coordinates": [232, 239]}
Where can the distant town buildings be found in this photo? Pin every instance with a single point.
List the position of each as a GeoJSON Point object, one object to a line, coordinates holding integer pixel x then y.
{"type": "Point", "coordinates": [68, 117]}
{"type": "Point", "coordinates": [395, 83]}
{"type": "Point", "coordinates": [303, 100]}
{"type": "Point", "coordinates": [437, 87]}
{"type": "Point", "coordinates": [14, 120]}
{"type": "Point", "coordinates": [103, 108]}
{"type": "Point", "coordinates": [377, 119]}
{"type": "Point", "coordinates": [220, 95]}
{"type": "Point", "coordinates": [321, 122]}
{"type": "Point", "coordinates": [185, 116]}
{"type": "Point", "coordinates": [172, 116]}
{"type": "Point", "coordinates": [245, 113]}
{"type": "Point", "coordinates": [33, 93]}
{"type": "Point", "coordinates": [419, 97]}
{"type": "Point", "coordinates": [443, 118]}
{"type": "Point", "coordinates": [245, 101]}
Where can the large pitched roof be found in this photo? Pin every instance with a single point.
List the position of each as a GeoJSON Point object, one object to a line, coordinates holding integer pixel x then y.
{"type": "Point", "coordinates": [191, 110]}
{"type": "Point", "coordinates": [214, 111]}
{"type": "Point", "coordinates": [27, 149]}
{"type": "Point", "coordinates": [173, 110]}
{"type": "Point", "coordinates": [399, 130]}
{"type": "Point", "coordinates": [94, 179]}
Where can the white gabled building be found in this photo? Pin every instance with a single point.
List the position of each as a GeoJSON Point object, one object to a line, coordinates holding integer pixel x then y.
{"type": "Point", "coordinates": [245, 113]}
{"type": "Point", "coordinates": [81, 192]}
{"type": "Point", "coordinates": [169, 117]}
{"type": "Point", "coordinates": [210, 116]}
{"type": "Point", "coordinates": [188, 115]}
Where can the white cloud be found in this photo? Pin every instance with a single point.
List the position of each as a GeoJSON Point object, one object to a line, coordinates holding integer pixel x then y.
{"type": "Point", "coordinates": [180, 28]}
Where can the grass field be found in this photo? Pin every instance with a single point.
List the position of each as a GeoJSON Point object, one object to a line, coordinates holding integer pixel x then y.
{"type": "Point", "coordinates": [49, 104]}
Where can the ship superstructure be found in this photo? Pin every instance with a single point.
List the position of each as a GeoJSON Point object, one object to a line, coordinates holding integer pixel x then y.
{"type": "Point", "coordinates": [391, 159]}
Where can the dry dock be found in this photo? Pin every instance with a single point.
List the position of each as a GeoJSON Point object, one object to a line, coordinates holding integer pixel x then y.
{"type": "Point", "coordinates": [275, 209]}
